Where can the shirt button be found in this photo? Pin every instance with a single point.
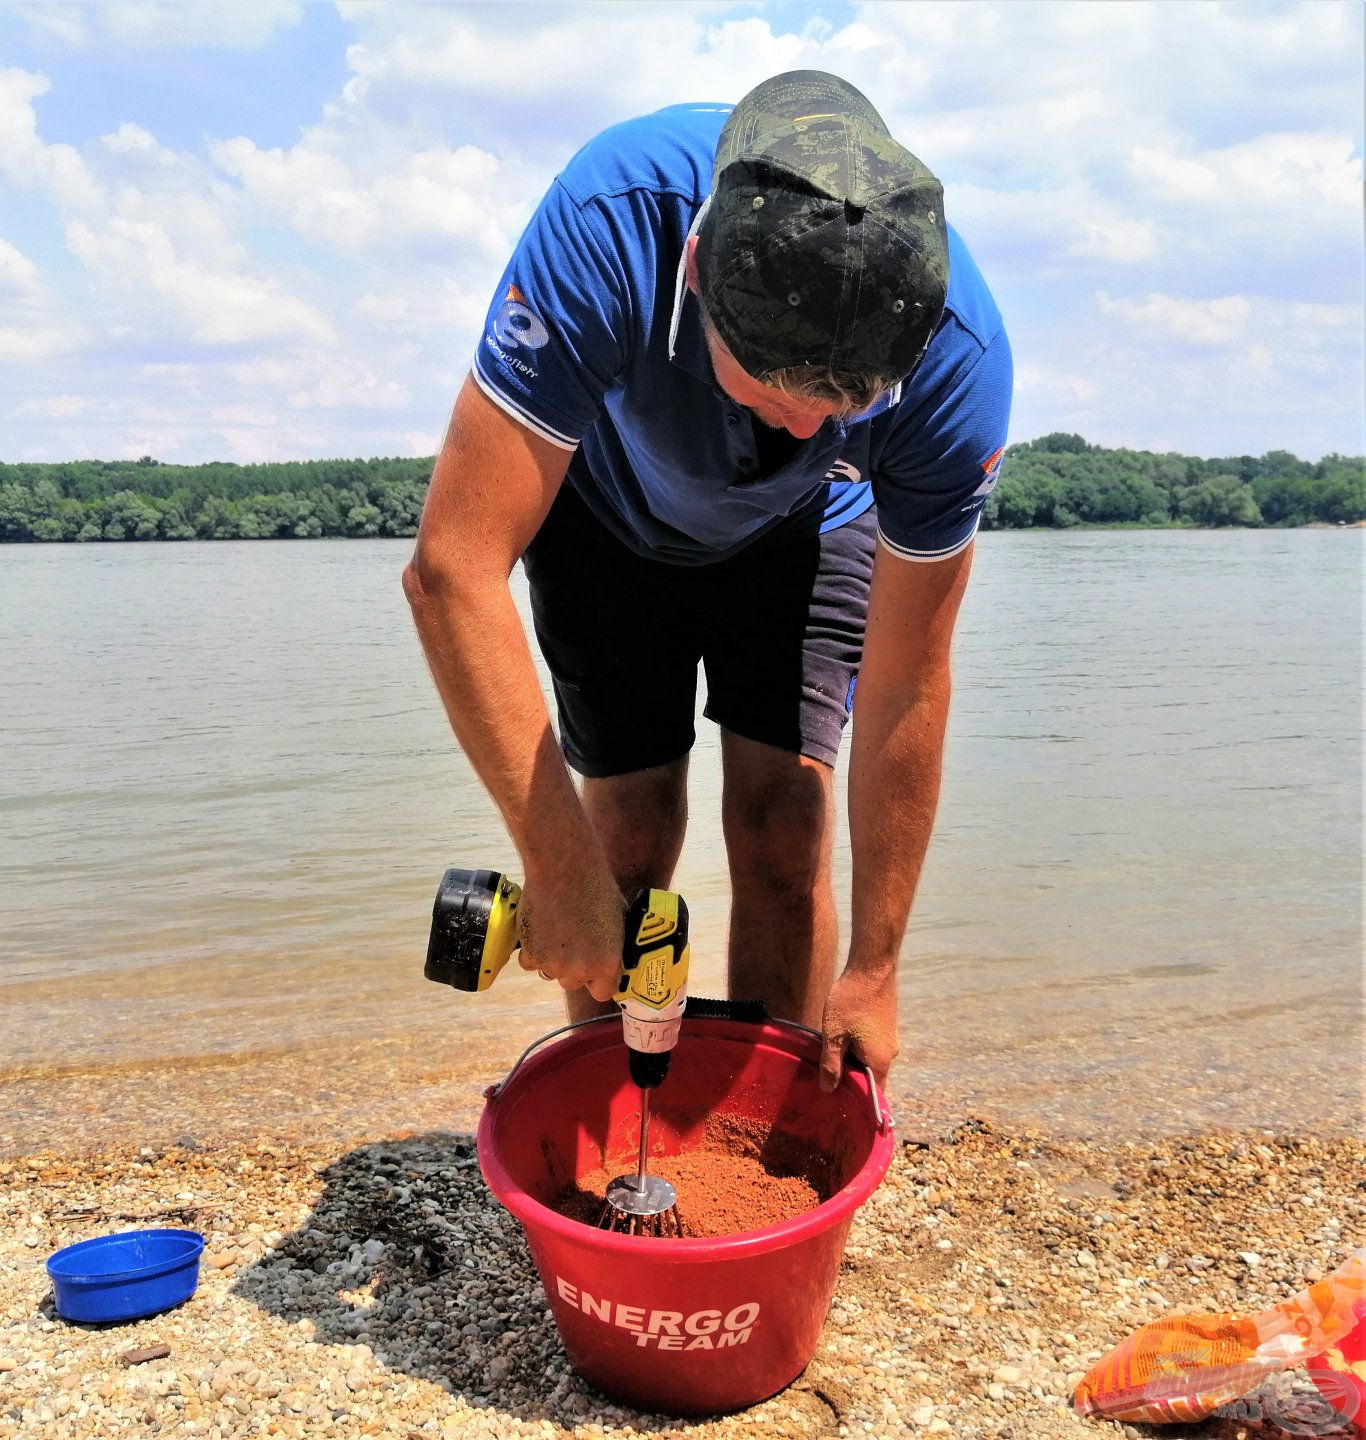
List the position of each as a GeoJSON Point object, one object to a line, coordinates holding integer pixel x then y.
{"type": "Point", "coordinates": [746, 462]}
{"type": "Point", "coordinates": [732, 419]}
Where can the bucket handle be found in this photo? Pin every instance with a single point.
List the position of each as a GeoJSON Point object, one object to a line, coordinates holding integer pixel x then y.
{"type": "Point", "coordinates": [752, 1011]}
{"type": "Point", "coordinates": [491, 1092]}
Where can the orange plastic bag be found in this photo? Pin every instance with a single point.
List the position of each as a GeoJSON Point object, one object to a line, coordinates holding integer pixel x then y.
{"type": "Point", "coordinates": [1185, 1367]}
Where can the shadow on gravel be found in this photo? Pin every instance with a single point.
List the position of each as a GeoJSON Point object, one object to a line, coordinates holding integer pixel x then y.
{"type": "Point", "coordinates": [408, 1253]}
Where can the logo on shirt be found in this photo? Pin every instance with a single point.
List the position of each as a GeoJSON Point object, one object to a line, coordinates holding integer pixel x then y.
{"type": "Point", "coordinates": [991, 468]}
{"type": "Point", "coordinates": [517, 325]}
{"type": "Point", "coordinates": [843, 470]}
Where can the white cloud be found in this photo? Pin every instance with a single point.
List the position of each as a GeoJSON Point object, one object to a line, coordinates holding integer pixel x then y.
{"type": "Point", "coordinates": [1118, 239]}
{"type": "Point", "coordinates": [523, 69]}
{"type": "Point", "coordinates": [1302, 335]}
{"type": "Point", "coordinates": [154, 231]}
{"type": "Point", "coordinates": [447, 308]}
{"type": "Point", "coordinates": [33, 329]}
{"type": "Point", "coordinates": [1235, 374]}
{"type": "Point", "coordinates": [1045, 386]}
{"type": "Point", "coordinates": [320, 379]}
{"type": "Point", "coordinates": [1316, 174]}
{"type": "Point", "coordinates": [458, 194]}
{"type": "Point", "coordinates": [130, 139]}
{"type": "Point", "coordinates": [18, 274]}
{"type": "Point", "coordinates": [210, 307]}
{"type": "Point", "coordinates": [27, 160]}
{"type": "Point", "coordinates": [1163, 197]}
{"type": "Point", "coordinates": [66, 23]}
{"type": "Point", "coordinates": [348, 385]}
{"type": "Point", "coordinates": [1046, 229]}
{"type": "Point", "coordinates": [55, 407]}
{"type": "Point", "coordinates": [163, 24]}
{"type": "Point", "coordinates": [1194, 322]}
{"type": "Point", "coordinates": [32, 344]}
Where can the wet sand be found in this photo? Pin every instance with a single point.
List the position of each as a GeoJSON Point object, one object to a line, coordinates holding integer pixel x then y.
{"type": "Point", "coordinates": [432, 1076]}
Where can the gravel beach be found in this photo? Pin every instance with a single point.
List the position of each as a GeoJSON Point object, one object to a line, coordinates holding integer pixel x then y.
{"type": "Point", "coordinates": [378, 1290]}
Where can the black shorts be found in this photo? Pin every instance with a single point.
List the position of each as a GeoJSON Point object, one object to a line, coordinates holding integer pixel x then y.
{"type": "Point", "coordinates": [778, 630]}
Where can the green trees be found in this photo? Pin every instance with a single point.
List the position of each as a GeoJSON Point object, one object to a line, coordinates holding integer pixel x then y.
{"type": "Point", "coordinates": [144, 500]}
{"type": "Point", "coordinates": [1061, 481]}
{"type": "Point", "coordinates": [1057, 481]}
{"type": "Point", "coordinates": [1220, 500]}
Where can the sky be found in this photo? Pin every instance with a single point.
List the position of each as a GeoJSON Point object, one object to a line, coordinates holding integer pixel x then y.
{"type": "Point", "coordinates": [271, 230]}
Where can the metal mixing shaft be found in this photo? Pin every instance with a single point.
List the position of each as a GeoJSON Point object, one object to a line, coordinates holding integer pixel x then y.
{"type": "Point", "coordinates": [642, 1204]}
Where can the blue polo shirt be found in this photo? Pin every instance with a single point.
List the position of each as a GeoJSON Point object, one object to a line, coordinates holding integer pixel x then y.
{"type": "Point", "coordinates": [594, 343]}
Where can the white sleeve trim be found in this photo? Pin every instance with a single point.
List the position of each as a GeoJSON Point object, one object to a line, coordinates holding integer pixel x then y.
{"type": "Point", "coordinates": [927, 557]}
{"type": "Point", "coordinates": [518, 413]}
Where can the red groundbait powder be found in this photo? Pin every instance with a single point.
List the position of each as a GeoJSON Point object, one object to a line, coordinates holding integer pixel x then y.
{"type": "Point", "coordinates": [741, 1176]}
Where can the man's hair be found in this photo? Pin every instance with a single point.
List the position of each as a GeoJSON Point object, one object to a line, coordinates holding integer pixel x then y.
{"type": "Point", "coordinates": [852, 393]}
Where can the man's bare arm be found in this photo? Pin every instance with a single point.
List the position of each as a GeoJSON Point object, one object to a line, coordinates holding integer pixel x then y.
{"type": "Point", "coordinates": [492, 486]}
{"type": "Point", "coordinates": [901, 711]}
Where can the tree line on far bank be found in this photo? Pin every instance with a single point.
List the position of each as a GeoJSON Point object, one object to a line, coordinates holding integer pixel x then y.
{"type": "Point", "coordinates": [1058, 482]}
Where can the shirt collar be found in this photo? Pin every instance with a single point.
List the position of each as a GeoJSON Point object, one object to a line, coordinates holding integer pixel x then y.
{"type": "Point", "coordinates": [687, 339]}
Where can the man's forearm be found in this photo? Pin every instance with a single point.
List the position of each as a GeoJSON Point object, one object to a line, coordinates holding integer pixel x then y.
{"type": "Point", "coordinates": [477, 650]}
{"type": "Point", "coordinates": [895, 768]}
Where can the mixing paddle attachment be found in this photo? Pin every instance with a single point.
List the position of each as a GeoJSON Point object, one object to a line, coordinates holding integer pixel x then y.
{"type": "Point", "coordinates": [642, 1204]}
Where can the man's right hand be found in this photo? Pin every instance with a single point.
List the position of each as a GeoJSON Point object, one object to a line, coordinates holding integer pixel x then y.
{"type": "Point", "coordinates": [572, 929]}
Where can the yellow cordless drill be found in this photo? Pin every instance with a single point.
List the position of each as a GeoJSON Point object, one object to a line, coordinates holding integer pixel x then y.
{"type": "Point", "coordinates": [474, 932]}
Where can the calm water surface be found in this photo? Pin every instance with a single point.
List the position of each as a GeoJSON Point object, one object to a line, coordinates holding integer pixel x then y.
{"type": "Point", "coordinates": [228, 790]}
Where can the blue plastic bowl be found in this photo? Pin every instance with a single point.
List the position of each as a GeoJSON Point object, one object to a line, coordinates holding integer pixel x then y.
{"type": "Point", "coordinates": [125, 1276]}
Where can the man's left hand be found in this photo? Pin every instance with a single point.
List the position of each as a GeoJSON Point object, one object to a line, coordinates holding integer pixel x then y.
{"type": "Point", "coordinates": [860, 1016]}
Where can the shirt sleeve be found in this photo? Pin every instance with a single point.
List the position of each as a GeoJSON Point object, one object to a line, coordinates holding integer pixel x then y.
{"type": "Point", "coordinates": [555, 337]}
{"type": "Point", "coordinates": [942, 455]}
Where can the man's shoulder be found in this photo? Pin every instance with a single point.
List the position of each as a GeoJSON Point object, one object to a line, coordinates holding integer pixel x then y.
{"type": "Point", "coordinates": [969, 301]}
{"type": "Point", "coordinates": [667, 152]}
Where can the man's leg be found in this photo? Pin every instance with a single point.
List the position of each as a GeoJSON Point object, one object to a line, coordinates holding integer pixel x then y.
{"type": "Point", "coordinates": [782, 653]}
{"type": "Point", "coordinates": [640, 819]}
{"type": "Point", "coordinates": [778, 816]}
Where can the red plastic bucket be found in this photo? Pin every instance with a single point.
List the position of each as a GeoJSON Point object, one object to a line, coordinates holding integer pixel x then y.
{"type": "Point", "coordinates": [682, 1327]}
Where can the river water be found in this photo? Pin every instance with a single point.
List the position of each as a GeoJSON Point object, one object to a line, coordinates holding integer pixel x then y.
{"type": "Point", "coordinates": [227, 792]}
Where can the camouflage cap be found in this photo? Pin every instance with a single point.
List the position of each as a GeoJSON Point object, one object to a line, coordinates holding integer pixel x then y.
{"type": "Point", "coordinates": [824, 243]}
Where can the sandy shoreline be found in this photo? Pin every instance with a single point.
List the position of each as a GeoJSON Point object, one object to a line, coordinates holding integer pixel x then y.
{"type": "Point", "coordinates": [338, 1091]}
{"type": "Point", "coordinates": [377, 1289]}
